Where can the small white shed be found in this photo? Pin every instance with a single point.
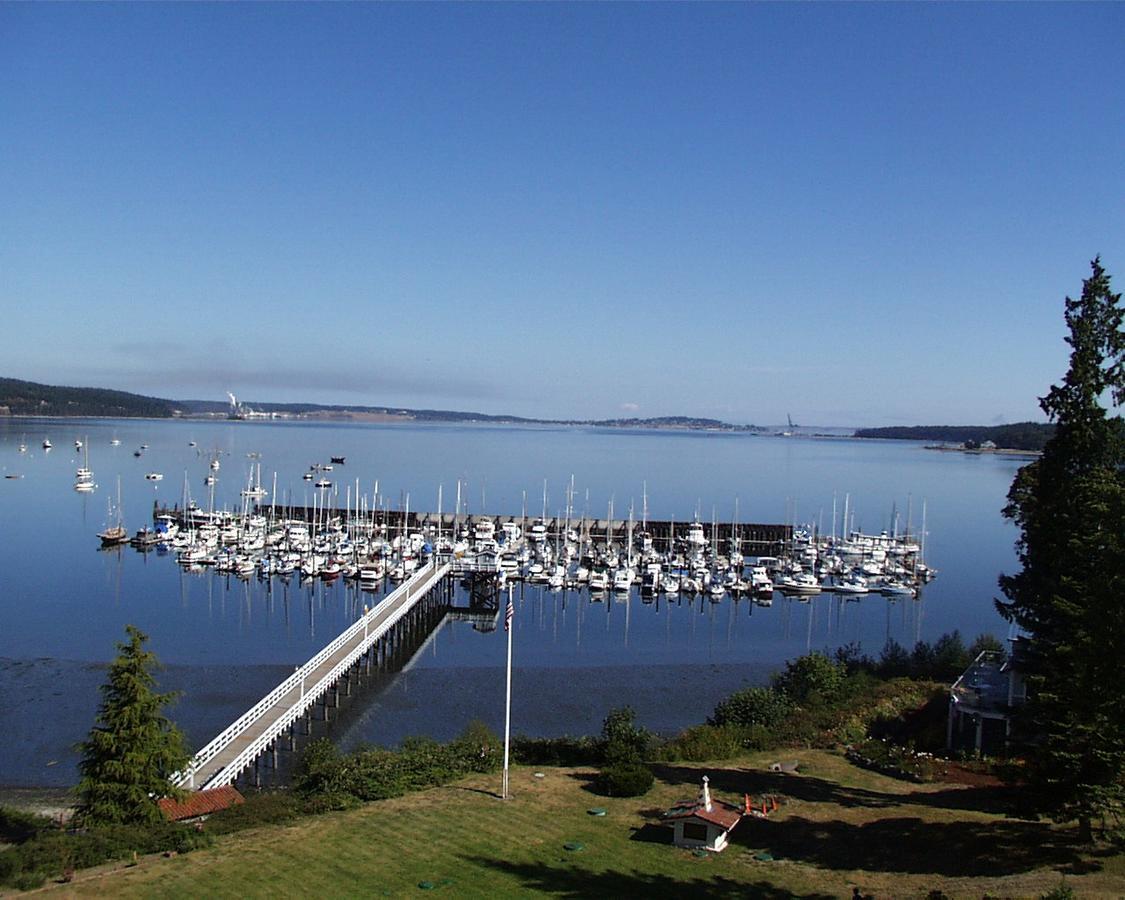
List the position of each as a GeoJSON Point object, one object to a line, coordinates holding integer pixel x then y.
{"type": "Point", "coordinates": [702, 822]}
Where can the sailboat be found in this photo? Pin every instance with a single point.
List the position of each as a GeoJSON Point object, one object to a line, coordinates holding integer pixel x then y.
{"type": "Point", "coordinates": [254, 489]}
{"type": "Point", "coordinates": [116, 534]}
{"type": "Point", "coordinates": [84, 478]}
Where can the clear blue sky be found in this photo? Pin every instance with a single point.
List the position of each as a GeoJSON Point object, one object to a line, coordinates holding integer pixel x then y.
{"type": "Point", "coordinates": [855, 214]}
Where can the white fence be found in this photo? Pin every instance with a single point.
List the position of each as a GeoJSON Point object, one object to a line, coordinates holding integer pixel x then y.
{"type": "Point", "coordinates": [372, 626]}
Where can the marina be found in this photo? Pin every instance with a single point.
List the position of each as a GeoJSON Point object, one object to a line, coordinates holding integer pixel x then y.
{"type": "Point", "coordinates": [595, 554]}
{"type": "Point", "coordinates": [586, 641]}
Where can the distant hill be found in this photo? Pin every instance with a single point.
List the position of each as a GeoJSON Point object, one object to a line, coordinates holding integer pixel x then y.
{"type": "Point", "coordinates": [26, 398]}
{"type": "Point", "coordinates": [1018, 436]}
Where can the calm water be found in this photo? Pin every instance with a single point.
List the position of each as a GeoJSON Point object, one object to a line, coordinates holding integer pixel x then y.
{"type": "Point", "coordinates": [64, 603]}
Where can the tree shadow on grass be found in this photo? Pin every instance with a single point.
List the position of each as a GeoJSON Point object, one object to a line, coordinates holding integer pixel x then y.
{"type": "Point", "coordinates": [1002, 800]}
{"type": "Point", "coordinates": [575, 882]}
{"type": "Point", "coordinates": [798, 787]}
{"type": "Point", "coordinates": [588, 781]}
{"type": "Point", "coordinates": [910, 845]}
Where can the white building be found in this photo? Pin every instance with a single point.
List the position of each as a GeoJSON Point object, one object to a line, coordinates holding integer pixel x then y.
{"type": "Point", "coordinates": [702, 822]}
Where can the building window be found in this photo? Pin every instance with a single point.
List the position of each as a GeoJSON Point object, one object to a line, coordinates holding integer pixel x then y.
{"type": "Point", "coordinates": [695, 832]}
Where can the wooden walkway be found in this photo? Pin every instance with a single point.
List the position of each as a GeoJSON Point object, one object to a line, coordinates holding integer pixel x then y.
{"type": "Point", "coordinates": [224, 758]}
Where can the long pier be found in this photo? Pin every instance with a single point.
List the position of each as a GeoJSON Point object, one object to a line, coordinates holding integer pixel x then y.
{"type": "Point", "coordinates": [370, 639]}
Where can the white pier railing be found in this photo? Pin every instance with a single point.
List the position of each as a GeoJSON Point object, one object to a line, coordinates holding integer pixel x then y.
{"type": "Point", "coordinates": [221, 760]}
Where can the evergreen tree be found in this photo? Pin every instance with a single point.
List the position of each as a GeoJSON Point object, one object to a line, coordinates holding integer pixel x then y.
{"type": "Point", "coordinates": [1069, 597]}
{"type": "Point", "coordinates": [132, 750]}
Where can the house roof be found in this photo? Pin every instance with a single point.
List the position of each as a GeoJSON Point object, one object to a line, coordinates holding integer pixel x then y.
{"type": "Point", "coordinates": [722, 814]}
{"type": "Point", "coordinates": [200, 803]}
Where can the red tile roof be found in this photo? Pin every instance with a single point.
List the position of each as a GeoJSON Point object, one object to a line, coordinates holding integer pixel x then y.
{"type": "Point", "coordinates": [722, 814]}
{"type": "Point", "coordinates": [200, 803]}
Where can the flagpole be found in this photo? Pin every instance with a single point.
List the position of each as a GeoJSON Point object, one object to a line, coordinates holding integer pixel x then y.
{"type": "Point", "coordinates": [508, 612]}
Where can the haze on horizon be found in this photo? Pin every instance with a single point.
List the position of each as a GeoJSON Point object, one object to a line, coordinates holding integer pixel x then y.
{"type": "Point", "coordinates": [858, 214]}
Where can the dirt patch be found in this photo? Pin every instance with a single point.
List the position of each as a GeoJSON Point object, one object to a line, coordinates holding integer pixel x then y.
{"type": "Point", "coordinates": [956, 773]}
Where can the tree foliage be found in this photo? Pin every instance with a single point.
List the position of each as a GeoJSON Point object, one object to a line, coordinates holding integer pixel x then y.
{"type": "Point", "coordinates": [811, 679]}
{"type": "Point", "coordinates": [133, 749]}
{"type": "Point", "coordinates": [623, 739]}
{"type": "Point", "coordinates": [1069, 596]}
{"type": "Point", "coordinates": [752, 706]}
{"type": "Point", "coordinates": [1016, 436]}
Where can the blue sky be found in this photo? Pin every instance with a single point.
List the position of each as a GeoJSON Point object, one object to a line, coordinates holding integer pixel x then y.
{"type": "Point", "coordinates": [853, 214]}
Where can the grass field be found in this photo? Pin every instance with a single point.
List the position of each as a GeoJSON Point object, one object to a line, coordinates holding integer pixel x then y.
{"type": "Point", "coordinates": [840, 827]}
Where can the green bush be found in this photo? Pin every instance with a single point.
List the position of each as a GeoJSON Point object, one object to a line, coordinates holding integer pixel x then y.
{"type": "Point", "coordinates": [894, 760]}
{"type": "Point", "coordinates": [17, 826]}
{"type": "Point", "coordinates": [752, 706]}
{"type": "Point", "coordinates": [756, 737]}
{"type": "Point", "coordinates": [50, 853]}
{"type": "Point", "coordinates": [560, 751]}
{"type": "Point", "coordinates": [704, 742]}
{"type": "Point", "coordinates": [623, 739]}
{"type": "Point", "coordinates": [377, 774]}
{"type": "Point", "coordinates": [625, 780]}
{"type": "Point", "coordinates": [811, 680]}
{"type": "Point", "coordinates": [265, 808]}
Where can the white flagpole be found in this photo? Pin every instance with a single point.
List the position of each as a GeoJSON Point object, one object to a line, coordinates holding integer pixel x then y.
{"type": "Point", "coordinates": [508, 692]}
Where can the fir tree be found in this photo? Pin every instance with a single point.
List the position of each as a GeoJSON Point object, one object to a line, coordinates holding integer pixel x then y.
{"type": "Point", "coordinates": [132, 750]}
{"type": "Point", "coordinates": [1069, 598]}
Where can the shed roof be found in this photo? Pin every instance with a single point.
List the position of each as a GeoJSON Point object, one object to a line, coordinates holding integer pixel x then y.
{"type": "Point", "coordinates": [722, 814]}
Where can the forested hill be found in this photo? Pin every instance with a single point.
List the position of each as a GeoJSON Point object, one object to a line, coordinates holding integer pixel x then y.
{"type": "Point", "coordinates": [1017, 436]}
{"type": "Point", "coordinates": [26, 398]}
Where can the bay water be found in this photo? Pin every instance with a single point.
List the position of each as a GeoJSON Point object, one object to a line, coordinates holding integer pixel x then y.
{"type": "Point", "coordinates": [64, 603]}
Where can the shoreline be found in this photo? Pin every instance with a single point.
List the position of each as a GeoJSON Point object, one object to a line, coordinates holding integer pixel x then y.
{"type": "Point", "coordinates": [990, 451]}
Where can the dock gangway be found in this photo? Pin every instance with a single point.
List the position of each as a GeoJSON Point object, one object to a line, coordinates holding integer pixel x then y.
{"type": "Point", "coordinates": [222, 760]}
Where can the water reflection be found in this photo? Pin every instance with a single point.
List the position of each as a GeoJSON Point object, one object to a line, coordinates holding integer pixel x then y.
{"type": "Point", "coordinates": [65, 600]}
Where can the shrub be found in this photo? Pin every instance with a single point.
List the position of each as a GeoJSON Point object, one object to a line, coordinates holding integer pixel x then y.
{"type": "Point", "coordinates": [560, 751]}
{"type": "Point", "coordinates": [811, 679]}
{"type": "Point", "coordinates": [265, 808]}
{"type": "Point", "coordinates": [894, 661]}
{"type": "Point", "coordinates": [894, 760]}
{"type": "Point", "coordinates": [752, 706]}
{"type": "Point", "coordinates": [377, 774]}
{"type": "Point", "coordinates": [625, 780]}
{"type": "Point", "coordinates": [756, 737]}
{"type": "Point", "coordinates": [623, 739]}
{"type": "Point", "coordinates": [478, 749]}
{"type": "Point", "coordinates": [50, 853]}
{"type": "Point", "coordinates": [704, 742]}
{"type": "Point", "coordinates": [319, 769]}
{"type": "Point", "coordinates": [17, 826]}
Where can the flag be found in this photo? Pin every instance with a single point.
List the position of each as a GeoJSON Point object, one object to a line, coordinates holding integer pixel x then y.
{"type": "Point", "coordinates": [508, 613]}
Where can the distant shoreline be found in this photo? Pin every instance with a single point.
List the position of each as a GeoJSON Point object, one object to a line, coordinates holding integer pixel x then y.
{"type": "Point", "coordinates": [990, 451]}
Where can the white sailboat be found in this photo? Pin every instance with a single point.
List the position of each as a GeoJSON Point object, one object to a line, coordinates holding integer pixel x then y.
{"type": "Point", "coordinates": [84, 477]}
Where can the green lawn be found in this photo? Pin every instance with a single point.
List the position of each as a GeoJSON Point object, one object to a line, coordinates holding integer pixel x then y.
{"type": "Point", "coordinates": [839, 827]}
